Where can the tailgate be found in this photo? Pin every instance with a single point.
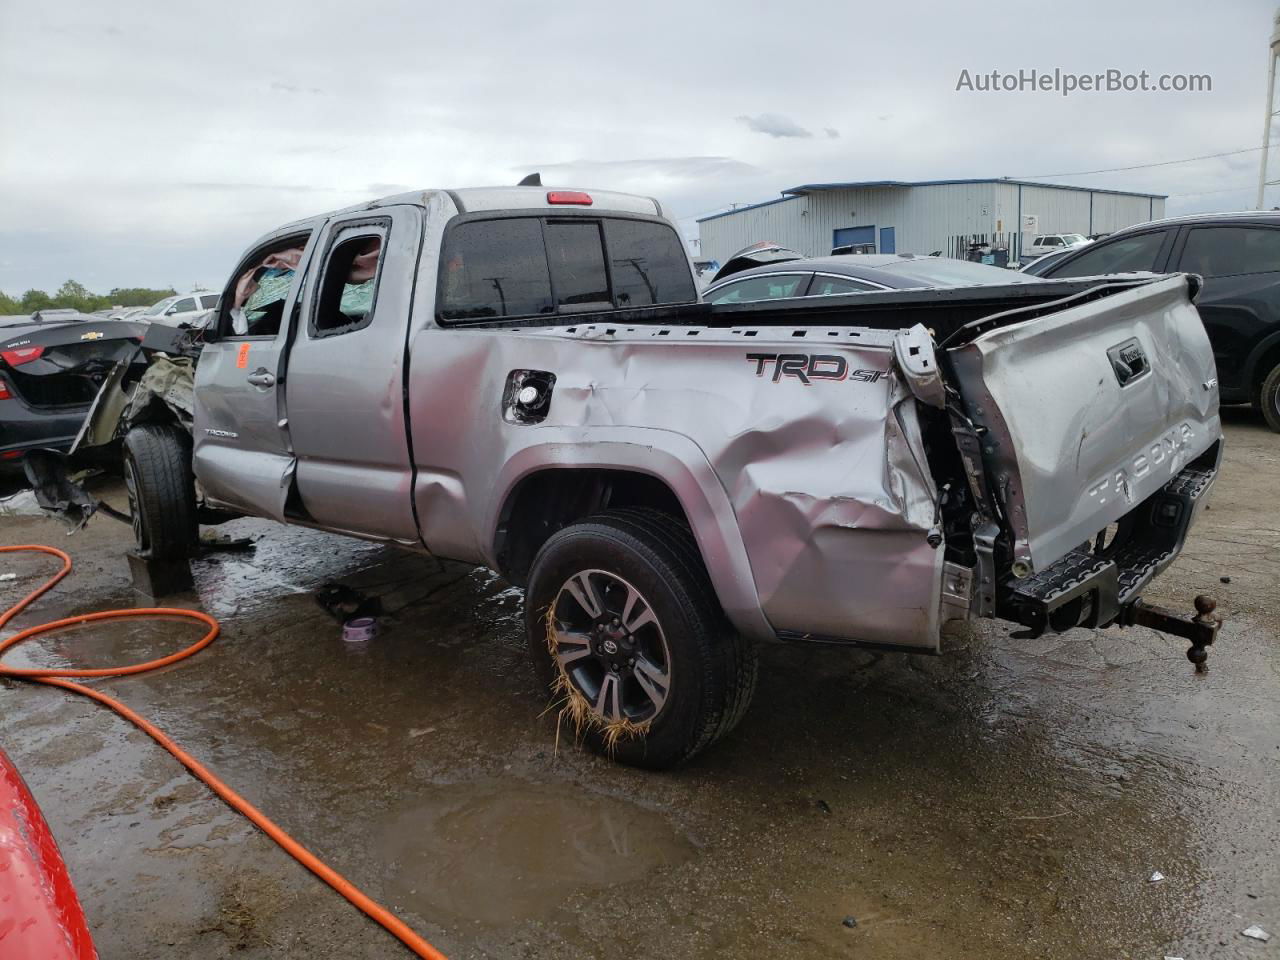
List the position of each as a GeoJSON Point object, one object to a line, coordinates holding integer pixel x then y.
{"type": "Point", "coordinates": [1089, 410]}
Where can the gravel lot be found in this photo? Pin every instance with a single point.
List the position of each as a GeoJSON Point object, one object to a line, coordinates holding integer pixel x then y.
{"type": "Point", "coordinates": [1009, 799]}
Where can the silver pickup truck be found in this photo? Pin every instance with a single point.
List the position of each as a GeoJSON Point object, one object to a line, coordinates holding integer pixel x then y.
{"type": "Point", "coordinates": [524, 378]}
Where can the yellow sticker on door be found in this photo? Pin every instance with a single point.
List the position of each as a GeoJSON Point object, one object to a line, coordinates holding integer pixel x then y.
{"type": "Point", "coordinates": [242, 358]}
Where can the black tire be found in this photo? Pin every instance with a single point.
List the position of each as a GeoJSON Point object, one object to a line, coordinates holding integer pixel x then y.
{"type": "Point", "coordinates": [712, 669]}
{"type": "Point", "coordinates": [162, 496]}
{"type": "Point", "coordinates": [1269, 399]}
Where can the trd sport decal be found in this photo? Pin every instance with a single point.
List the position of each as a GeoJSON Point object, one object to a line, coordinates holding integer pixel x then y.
{"type": "Point", "coordinates": [809, 367]}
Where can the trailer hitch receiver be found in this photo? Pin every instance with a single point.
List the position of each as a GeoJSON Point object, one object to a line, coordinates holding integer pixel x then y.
{"type": "Point", "coordinates": [1201, 629]}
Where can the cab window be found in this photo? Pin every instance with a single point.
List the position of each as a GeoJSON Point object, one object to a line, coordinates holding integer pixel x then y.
{"type": "Point", "coordinates": [575, 255]}
{"type": "Point", "coordinates": [254, 307]}
{"type": "Point", "coordinates": [648, 264]}
{"type": "Point", "coordinates": [349, 284]}
{"type": "Point", "coordinates": [533, 266]}
{"type": "Point", "coordinates": [495, 268]}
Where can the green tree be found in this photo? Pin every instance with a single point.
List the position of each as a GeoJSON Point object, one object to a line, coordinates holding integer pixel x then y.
{"type": "Point", "coordinates": [137, 296]}
{"type": "Point", "coordinates": [77, 296]}
{"type": "Point", "coordinates": [34, 300]}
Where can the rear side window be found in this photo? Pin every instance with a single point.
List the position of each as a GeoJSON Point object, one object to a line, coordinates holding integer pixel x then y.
{"type": "Point", "coordinates": [208, 301]}
{"type": "Point", "coordinates": [530, 266]}
{"type": "Point", "coordinates": [769, 286]}
{"type": "Point", "coordinates": [649, 265]}
{"type": "Point", "coordinates": [495, 268]}
{"type": "Point", "coordinates": [1229, 251]}
{"type": "Point", "coordinates": [350, 282]}
{"type": "Point", "coordinates": [824, 286]}
{"type": "Point", "coordinates": [1127, 255]}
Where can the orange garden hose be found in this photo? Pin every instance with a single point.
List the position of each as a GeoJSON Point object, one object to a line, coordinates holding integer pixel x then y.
{"type": "Point", "coordinates": [63, 679]}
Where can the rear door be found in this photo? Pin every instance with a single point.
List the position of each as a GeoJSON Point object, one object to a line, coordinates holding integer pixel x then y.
{"type": "Point", "coordinates": [1240, 301]}
{"type": "Point", "coordinates": [1088, 411]}
{"type": "Point", "coordinates": [243, 457]}
{"type": "Point", "coordinates": [346, 393]}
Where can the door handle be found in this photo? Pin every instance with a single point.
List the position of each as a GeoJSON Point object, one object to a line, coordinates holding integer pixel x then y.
{"type": "Point", "coordinates": [261, 378]}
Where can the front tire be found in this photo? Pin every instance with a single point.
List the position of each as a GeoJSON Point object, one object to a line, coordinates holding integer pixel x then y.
{"type": "Point", "coordinates": [1269, 399]}
{"type": "Point", "coordinates": [625, 632]}
{"type": "Point", "coordinates": [161, 488]}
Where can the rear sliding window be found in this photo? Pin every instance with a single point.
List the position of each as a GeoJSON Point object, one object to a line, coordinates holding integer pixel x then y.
{"type": "Point", "coordinates": [532, 266]}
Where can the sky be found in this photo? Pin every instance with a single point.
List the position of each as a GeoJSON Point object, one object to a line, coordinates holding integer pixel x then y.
{"type": "Point", "coordinates": [149, 143]}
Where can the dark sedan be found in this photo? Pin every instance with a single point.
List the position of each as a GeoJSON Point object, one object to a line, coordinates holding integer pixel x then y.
{"type": "Point", "coordinates": [1238, 255]}
{"type": "Point", "coordinates": [854, 273]}
{"type": "Point", "coordinates": [51, 367]}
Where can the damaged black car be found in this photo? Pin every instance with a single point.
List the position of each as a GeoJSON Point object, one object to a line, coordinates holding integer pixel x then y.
{"type": "Point", "coordinates": [52, 365]}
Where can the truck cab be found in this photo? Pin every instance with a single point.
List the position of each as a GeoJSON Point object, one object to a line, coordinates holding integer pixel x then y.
{"type": "Point", "coordinates": [326, 329]}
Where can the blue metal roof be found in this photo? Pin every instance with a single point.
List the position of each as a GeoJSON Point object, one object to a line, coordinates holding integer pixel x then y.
{"type": "Point", "coordinates": [793, 192]}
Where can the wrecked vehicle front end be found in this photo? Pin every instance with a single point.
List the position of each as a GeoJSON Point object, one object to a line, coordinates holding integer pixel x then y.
{"type": "Point", "coordinates": [150, 381]}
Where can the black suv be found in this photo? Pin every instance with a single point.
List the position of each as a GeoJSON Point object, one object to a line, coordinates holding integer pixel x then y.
{"type": "Point", "coordinates": [1238, 255]}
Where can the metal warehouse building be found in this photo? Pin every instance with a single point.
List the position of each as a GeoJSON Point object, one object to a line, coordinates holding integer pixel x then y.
{"type": "Point", "coordinates": [943, 216]}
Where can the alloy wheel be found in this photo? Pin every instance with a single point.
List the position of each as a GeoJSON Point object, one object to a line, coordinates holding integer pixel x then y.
{"type": "Point", "coordinates": [611, 647]}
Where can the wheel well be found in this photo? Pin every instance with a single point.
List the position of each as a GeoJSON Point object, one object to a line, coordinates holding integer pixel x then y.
{"type": "Point", "coordinates": [551, 499]}
{"type": "Point", "coordinates": [1266, 363]}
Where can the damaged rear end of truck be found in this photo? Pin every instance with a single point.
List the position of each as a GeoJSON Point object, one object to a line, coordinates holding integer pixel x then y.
{"type": "Point", "coordinates": [884, 463]}
{"type": "Point", "coordinates": [1087, 436]}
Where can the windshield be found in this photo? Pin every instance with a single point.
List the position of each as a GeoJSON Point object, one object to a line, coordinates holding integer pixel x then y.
{"type": "Point", "coordinates": [1072, 238]}
{"type": "Point", "coordinates": [945, 272]}
{"type": "Point", "coordinates": [160, 307]}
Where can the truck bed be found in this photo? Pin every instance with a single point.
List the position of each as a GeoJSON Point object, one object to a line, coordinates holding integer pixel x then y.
{"type": "Point", "coordinates": [946, 311]}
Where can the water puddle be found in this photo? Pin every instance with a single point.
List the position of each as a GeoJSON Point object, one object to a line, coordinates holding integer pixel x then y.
{"type": "Point", "coordinates": [503, 851]}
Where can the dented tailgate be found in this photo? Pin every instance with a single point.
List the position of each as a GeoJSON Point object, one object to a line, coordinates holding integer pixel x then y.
{"type": "Point", "coordinates": [1087, 411]}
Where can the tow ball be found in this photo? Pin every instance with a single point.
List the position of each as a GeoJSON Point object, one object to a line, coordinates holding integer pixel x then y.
{"type": "Point", "coordinates": [1201, 628]}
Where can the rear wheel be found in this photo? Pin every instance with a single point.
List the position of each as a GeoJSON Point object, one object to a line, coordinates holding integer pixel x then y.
{"type": "Point", "coordinates": [161, 488]}
{"type": "Point", "coordinates": [1269, 399]}
{"type": "Point", "coordinates": [625, 631]}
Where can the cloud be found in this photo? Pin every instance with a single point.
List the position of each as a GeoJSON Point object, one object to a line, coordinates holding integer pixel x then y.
{"type": "Point", "coordinates": [131, 168]}
{"type": "Point", "coordinates": [664, 168]}
{"type": "Point", "coordinates": [280, 86]}
{"type": "Point", "coordinates": [774, 125]}
{"type": "Point", "coordinates": [831, 132]}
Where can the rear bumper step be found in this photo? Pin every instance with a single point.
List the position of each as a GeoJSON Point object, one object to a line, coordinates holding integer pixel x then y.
{"type": "Point", "coordinates": [1096, 589]}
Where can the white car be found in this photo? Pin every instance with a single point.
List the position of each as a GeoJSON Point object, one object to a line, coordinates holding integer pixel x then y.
{"type": "Point", "coordinates": [1054, 243]}
{"type": "Point", "coordinates": [188, 308]}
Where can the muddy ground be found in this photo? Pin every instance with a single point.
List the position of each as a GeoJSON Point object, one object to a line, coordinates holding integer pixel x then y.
{"type": "Point", "coordinates": [1009, 799]}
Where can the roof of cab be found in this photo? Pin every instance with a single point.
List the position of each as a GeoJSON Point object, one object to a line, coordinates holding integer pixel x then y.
{"type": "Point", "coordinates": [478, 199]}
{"type": "Point", "coordinates": [475, 199]}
